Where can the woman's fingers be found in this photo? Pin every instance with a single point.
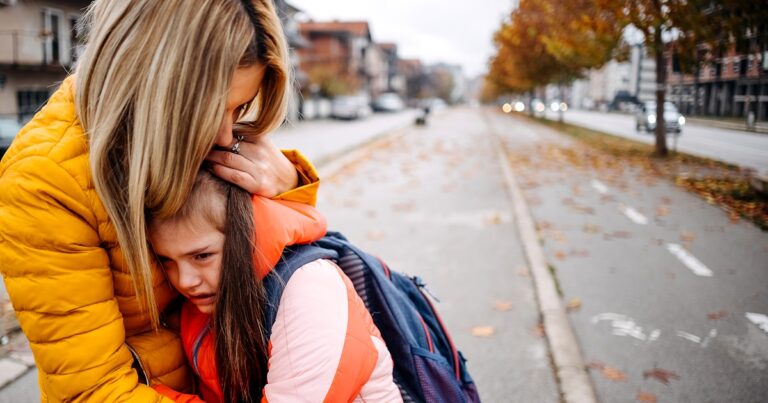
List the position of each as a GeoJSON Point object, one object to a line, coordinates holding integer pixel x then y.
{"type": "Point", "coordinates": [260, 168]}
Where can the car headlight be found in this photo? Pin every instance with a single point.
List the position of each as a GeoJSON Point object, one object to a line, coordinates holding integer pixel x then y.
{"type": "Point", "coordinates": [651, 119]}
{"type": "Point", "coordinates": [506, 108]}
{"type": "Point", "coordinates": [681, 120]}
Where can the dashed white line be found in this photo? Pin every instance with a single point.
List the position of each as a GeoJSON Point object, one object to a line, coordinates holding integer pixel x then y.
{"type": "Point", "coordinates": [758, 319]}
{"type": "Point", "coordinates": [689, 260]}
{"type": "Point", "coordinates": [633, 215]}
{"type": "Point", "coordinates": [599, 186]}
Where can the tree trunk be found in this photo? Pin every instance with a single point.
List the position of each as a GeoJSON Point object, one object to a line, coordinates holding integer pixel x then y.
{"type": "Point", "coordinates": [661, 88]}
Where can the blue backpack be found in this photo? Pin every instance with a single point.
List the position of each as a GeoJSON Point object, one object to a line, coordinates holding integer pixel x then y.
{"type": "Point", "coordinates": [428, 367]}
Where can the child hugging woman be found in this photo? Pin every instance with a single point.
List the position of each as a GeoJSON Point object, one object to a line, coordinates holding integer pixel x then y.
{"type": "Point", "coordinates": [216, 250]}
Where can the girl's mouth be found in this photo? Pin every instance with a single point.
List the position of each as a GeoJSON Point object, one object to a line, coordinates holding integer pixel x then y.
{"type": "Point", "coordinates": [202, 299]}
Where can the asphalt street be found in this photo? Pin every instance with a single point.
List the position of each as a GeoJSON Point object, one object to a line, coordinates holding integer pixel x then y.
{"type": "Point", "coordinates": [749, 150]}
{"type": "Point", "coordinates": [663, 286]}
{"type": "Point", "coordinates": [433, 203]}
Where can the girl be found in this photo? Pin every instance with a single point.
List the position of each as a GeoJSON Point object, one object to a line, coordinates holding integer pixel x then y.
{"type": "Point", "coordinates": [323, 345]}
{"type": "Point", "coordinates": [159, 85]}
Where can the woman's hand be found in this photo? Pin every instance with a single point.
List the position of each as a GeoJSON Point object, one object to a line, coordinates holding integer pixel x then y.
{"type": "Point", "coordinates": [260, 167]}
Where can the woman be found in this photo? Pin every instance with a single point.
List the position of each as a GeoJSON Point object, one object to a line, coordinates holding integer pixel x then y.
{"type": "Point", "coordinates": [323, 345]}
{"type": "Point", "coordinates": [160, 84]}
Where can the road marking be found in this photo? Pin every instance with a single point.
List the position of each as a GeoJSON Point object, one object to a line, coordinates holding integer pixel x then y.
{"type": "Point", "coordinates": [759, 319]}
{"type": "Point", "coordinates": [633, 215]}
{"type": "Point", "coordinates": [623, 325]}
{"type": "Point", "coordinates": [599, 186]}
{"type": "Point", "coordinates": [703, 341]}
{"type": "Point", "coordinates": [689, 260]}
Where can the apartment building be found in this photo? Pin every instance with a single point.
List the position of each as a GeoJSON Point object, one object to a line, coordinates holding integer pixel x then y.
{"type": "Point", "coordinates": [38, 46]}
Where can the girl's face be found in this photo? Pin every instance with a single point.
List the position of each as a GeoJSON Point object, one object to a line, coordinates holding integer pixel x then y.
{"type": "Point", "coordinates": [190, 252]}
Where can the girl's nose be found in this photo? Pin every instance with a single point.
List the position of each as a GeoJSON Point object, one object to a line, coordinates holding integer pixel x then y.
{"type": "Point", "coordinates": [188, 278]}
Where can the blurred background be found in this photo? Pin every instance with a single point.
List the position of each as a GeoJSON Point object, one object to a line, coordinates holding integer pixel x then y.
{"type": "Point", "coordinates": [633, 133]}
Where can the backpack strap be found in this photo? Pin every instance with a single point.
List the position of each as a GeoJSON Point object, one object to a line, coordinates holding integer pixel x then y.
{"type": "Point", "coordinates": [294, 257]}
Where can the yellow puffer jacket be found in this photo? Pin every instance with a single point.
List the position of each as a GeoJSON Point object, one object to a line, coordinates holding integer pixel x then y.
{"type": "Point", "coordinates": [64, 273]}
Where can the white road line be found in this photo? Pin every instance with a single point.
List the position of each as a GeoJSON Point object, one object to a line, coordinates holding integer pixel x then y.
{"type": "Point", "coordinates": [599, 186]}
{"type": "Point", "coordinates": [633, 215]}
{"type": "Point", "coordinates": [758, 319]}
{"type": "Point", "coordinates": [689, 260]}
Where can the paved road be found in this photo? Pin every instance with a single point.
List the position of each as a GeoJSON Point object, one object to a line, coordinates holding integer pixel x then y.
{"type": "Point", "coordinates": [732, 146]}
{"type": "Point", "coordinates": [434, 203]}
{"type": "Point", "coordinates": [664, 279]}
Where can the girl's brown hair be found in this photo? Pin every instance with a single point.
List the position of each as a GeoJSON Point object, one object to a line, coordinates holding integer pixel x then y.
{"type": "Point", "coordinates": [238, 329]}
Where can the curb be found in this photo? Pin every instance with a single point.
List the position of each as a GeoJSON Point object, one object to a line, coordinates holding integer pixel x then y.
{"type": "Point", "coordinates": [331, 165]}
{"type": "Point", "coordinates": [574, 382]}
{"type": "Point", "coordinates": [14, 367]}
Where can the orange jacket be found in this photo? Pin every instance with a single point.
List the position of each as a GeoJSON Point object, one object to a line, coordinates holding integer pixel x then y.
{"type": "Point", "coordinates": [62, 266]}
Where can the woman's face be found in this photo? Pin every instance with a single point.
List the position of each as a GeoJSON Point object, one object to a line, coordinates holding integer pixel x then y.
{"type": "Point", "coordinates": [190, 253]}
{"type": "Point", "coordinates": [245, 85]}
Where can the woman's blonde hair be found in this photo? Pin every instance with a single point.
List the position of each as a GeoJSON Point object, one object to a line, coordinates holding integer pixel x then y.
{"type": "Point", "coordinates": [151, 89]}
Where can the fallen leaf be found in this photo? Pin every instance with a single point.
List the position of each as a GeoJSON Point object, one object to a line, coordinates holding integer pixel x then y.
{"type": "Point", "coordinates": [579, 253]}
{"type": "Point", "coordinates": [717, 315]}
{"type": "Point", "coordinates": [591, 228]}
{"type": "Point", "coordinates": [503, 306]}
{"type": "Point", "coordinates": [662, 212]}
{"type": "Point", "coordinates": [523, 272]}
{"type": "Point", "coordinates": [596, 365]}
{"type": "Point", "coordinates": [538, 330]}
{"type": "Point", "coordinates": [687, 236]}
{"type": "Point", "coordinates": [493, 219]}
{"type": "Point", "coordinates": [483, 331]}
{"type": "Point", "coordinates": [661, 375]}
{"type": "Point", "coordinates": [613, 374]}
{"type": "Point", "coordinates": [560, 255]}
{"type": "Point", "coordinates": [574, 304]}
{"type": "Point", "coordinates": [646, 397]}
{"type": "Point", "coordinates": [375, 235]}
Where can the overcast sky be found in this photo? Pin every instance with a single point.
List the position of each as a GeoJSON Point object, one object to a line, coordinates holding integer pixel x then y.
{"type": "Point", "coordinates": [452, 31]}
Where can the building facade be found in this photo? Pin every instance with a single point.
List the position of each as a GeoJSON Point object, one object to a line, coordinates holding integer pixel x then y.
{"type": "Point", "coordinates": [734, 85]}
{"type": "Point", "coordinates": [39, 44]}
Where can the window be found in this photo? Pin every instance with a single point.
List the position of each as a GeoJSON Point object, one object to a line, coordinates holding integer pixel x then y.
{"type": "Point", "coordinates": [51, 32]}
{"type": "Point", "coordinates": [29, 102]}
{"type": "Point", "coordinates": [735, 63]}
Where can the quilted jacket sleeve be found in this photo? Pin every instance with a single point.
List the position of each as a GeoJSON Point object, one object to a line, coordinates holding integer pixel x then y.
{"type": "Point", "coordinates": [58, 277]}
{"type": "Point", "coordinates": [309, 181]}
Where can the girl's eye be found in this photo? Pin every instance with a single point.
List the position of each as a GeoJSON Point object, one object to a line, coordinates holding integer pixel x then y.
{"type": "Point", "coordinates": [203, 256]}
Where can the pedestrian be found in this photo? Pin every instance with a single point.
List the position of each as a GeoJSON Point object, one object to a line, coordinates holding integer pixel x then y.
{"type": "Point", "coordinates": [323, 346]}
{"type": "Point", "coordinates": [158, 89]}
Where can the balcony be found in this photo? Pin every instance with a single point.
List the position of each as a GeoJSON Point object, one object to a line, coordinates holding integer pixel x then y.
{"type": "Point", "coordinates": [35, 51]}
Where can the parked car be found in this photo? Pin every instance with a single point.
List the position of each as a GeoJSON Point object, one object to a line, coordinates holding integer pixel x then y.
{"type": "Point", "coordinates": [388, 102]}
{"type": "Point", "coordinates": [646, 118]}
{"type": "Point", "coordinates": [8, 130]}
{"type": "Point", "coordinates": [624, 102]}
{"type": "Point", "coordinates": [349, 107]}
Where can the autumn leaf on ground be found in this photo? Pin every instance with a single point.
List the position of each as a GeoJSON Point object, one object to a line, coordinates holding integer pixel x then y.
{"type": "Point", "coordinates": [717, 315]}
{"type": "Point", "coordinates": [646, 397]}
{"type": "Point", "coordinates": [596, 365]}
{"type": "Point", "coordinates": [503, 306]}
{"type": "Point", "coordinates": [591, 228]}
{"type": "Point", "coordinates": [523, 272]}
{"type": "Point", "coordinates": [613, 374]}
{"type": "Point", "coordinates": [560, 255]}
{"type": "Point", "coordinates": [661, 375]}
{"type": "Point", "coordinates": [538, 330]}
{"type": "Point", "coordinates": [579, 253]}
{"type": "Point", "coordinates": [574, 304]}
{"type": "Point", "coordinates": [483, 331]}
{"type": "Point", "coordinates": [687, 236]}
{"type": "Point", "coordinates": [493, 219]}
{"type": "Point", "coordinates": [662, 211]}
{"type": "Point", "coordinates": [375, 235]}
